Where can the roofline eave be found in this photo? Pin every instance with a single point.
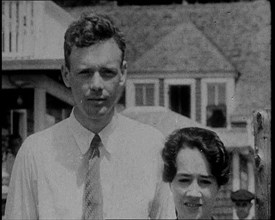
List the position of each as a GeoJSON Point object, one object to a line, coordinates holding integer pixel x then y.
{"type": "Point", "coordinates": [32, 64]}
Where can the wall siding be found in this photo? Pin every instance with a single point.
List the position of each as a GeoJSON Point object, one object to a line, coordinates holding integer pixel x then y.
{"type": "Point", "coordinates": [161, 92]}
{"type": "Point", "coordinates": [198, 100]}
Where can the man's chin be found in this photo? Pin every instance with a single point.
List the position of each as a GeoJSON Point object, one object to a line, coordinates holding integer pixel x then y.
{"type": "Point", "coordinates": [99, 115]}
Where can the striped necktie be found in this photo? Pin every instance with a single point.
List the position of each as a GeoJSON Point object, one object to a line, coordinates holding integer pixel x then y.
{"type": "Point", "coordinates": [93, 201]}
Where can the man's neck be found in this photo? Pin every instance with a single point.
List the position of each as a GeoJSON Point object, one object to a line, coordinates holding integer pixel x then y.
{"type": "Point", "coordinates": [94, 125]}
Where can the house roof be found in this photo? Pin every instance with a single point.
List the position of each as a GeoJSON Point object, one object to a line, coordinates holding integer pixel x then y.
{"type": "Point", "coordinates": [185, 49]}
{"type": "Point", "coordinates": [241, 31]}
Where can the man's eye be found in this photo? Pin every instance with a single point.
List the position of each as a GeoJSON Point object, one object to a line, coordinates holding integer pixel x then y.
{"type": "Point", "coordinates": [84, 73]}
{"type": "Point", "coordinates": [108, 73]}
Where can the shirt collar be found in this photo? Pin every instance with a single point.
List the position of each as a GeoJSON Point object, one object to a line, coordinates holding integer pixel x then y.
{"type": "Point", "coordinates": [83, 136]}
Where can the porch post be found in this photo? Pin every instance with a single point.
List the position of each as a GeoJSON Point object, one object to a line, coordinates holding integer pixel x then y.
{"type": "Point", "coordinates": [251, 184]}
{"type": "Point", "coordinates": [39, 109]}
{"type": "Point", "coordinates": [236, 183]}
{"type": "Point", "coordinates": [236, 171]}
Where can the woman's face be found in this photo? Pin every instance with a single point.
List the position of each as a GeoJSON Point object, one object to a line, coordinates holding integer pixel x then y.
{"type": "Point", "coordinates": [194, 188]}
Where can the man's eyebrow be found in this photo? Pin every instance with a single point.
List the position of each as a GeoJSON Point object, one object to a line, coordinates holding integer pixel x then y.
{"type": "Point", "coordinates": [91, 69]}
{"type": "Point", "coordinates": [85, 70]}
{"type": "Point", "coordinates": [108, 68]}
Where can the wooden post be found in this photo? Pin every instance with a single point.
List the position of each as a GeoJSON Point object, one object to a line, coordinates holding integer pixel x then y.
{"type": "Point", "coordinates": [39, 109]}
{"type": "Point", "coordinates": [261, 125]}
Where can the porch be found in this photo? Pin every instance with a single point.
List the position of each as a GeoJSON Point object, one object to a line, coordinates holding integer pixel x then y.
{"type": "Point", "coordinates": [33, 30]}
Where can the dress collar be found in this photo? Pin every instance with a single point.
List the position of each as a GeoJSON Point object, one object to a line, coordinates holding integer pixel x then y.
{"type": "Point", "coordinates": [83, 136]}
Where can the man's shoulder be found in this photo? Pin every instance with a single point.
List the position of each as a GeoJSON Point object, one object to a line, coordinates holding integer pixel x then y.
{"type": "Point", "coordinates": [39, 138]}
{"type": "Point", "coordinates": [132, 125]}
{"type": "Point", "coordinates": [135, 130]}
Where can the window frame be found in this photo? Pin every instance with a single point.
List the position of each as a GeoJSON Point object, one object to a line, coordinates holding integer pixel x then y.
{"type": "Point", "coordinates": [131, 92]}
{"type": "Point", "coordinates": [229, 95]}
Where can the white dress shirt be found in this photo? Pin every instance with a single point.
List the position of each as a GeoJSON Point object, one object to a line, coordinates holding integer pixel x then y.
{"type": "Point", "coordinates": [48, 176]}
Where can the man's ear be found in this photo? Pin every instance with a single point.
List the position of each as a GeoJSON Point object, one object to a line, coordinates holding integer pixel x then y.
{"type": "Point", "coordinates": [123, 73]}
{"type": "Point", "coordinates": [65, 75]}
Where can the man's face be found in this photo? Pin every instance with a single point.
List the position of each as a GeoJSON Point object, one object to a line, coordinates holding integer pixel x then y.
{"type": "Point", "coordinates": [96, 78]}
{"type": "Point", "coordinates": [242, 208]}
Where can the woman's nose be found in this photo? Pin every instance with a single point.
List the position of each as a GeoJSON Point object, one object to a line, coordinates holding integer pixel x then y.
{"type": "Point", "coordinates": [194, 190]}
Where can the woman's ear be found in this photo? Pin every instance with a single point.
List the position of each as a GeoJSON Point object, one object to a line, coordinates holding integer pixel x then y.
{"type": "Point", "coordinates": [65, 75]}
{"type": "Point", "coordinates": [123, 73]}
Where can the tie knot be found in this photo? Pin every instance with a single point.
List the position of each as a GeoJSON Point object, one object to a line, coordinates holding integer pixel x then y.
{"type": "Point", "coordinates": [95, 144]}
{"type": "Point", "coordinates": [96, 141]}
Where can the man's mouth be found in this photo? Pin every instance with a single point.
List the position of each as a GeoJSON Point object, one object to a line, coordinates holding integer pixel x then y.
{"type": "Point", "coordinates": [97, 101]}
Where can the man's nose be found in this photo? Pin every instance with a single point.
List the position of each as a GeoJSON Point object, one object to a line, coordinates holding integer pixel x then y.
{"type": "Point", "coordinates": [96, 82]}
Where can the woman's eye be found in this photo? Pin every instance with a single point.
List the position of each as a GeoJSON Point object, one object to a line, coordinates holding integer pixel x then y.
{"type": "Point", "coordinates": [206, 182]}
{"type": "Point", "coordinates": [184, 180]}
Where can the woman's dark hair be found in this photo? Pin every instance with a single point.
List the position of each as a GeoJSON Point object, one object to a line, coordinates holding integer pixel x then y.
{"type": "Point", "coordinates": [204, 140]}
{"type": "Point", "coordinates": [90, 29]}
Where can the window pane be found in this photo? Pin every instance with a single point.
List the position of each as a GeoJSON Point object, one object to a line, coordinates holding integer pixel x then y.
{"type": "Point", "coordinates": [139, 94]}
{"type": "Point", "coordinates": [149, 94]}
{"type": "Point", "coordinates": [210, 94]}
{"type": "Point", "coordinates": [144, 94]}
{"type": "Point", "coordinates": [222, 96]}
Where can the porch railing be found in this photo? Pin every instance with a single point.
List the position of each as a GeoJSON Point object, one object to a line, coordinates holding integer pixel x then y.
{"type": "Point", "coordinates": [20, 23]}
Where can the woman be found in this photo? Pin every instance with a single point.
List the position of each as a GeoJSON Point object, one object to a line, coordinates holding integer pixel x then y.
{"type": "Point", "coordinates": [196, 164]}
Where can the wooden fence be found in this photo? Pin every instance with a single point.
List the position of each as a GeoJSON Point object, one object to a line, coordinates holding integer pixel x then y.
{"type": "Point", "coordinates": [262, 127]}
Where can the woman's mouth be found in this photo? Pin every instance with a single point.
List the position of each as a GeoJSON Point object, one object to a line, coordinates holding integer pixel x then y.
{"type": "Point", "coordinates": [192, 205]}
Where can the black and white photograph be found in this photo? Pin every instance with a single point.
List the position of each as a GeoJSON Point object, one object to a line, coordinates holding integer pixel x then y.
{"type": "Point", "coordinates": [136, 109]}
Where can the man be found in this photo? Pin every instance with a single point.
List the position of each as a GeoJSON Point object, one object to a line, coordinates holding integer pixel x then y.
{"type": "Point", "coordinates": [242, 202]}
{"type": "Point", "coordinates": [96, 164]}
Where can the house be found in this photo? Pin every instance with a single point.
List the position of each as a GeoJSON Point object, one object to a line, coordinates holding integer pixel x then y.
{"type": "Point", "coordinates": [32, 42]}
{"type": "Point", "coordinates": [32, 93]}
{"type": "Point", "coordinates": [208, 62]}
{"type": "Point", "coordinates": [203, 61]}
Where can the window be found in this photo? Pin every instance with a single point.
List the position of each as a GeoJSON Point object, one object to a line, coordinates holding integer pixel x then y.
{"type": "Point", "coordinates": [180, 96]}
{"type": "Point", "coordinates": [216, 105]}
{"type": "Point", "coordinates": [216, 102]}
{"type": "Point", "coordinates": [142, 92]}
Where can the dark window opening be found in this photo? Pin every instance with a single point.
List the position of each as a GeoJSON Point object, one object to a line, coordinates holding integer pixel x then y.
{"type": "Point", "coordinates": [180, 99]}
{"type": "Point", "coordinates": [15, 123]}
{"type": "Point", "coordinates": [216, 116]}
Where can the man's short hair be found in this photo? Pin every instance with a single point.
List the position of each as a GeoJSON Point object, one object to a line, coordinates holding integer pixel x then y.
{"type": "Point", "coordinates": [90, 29]}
